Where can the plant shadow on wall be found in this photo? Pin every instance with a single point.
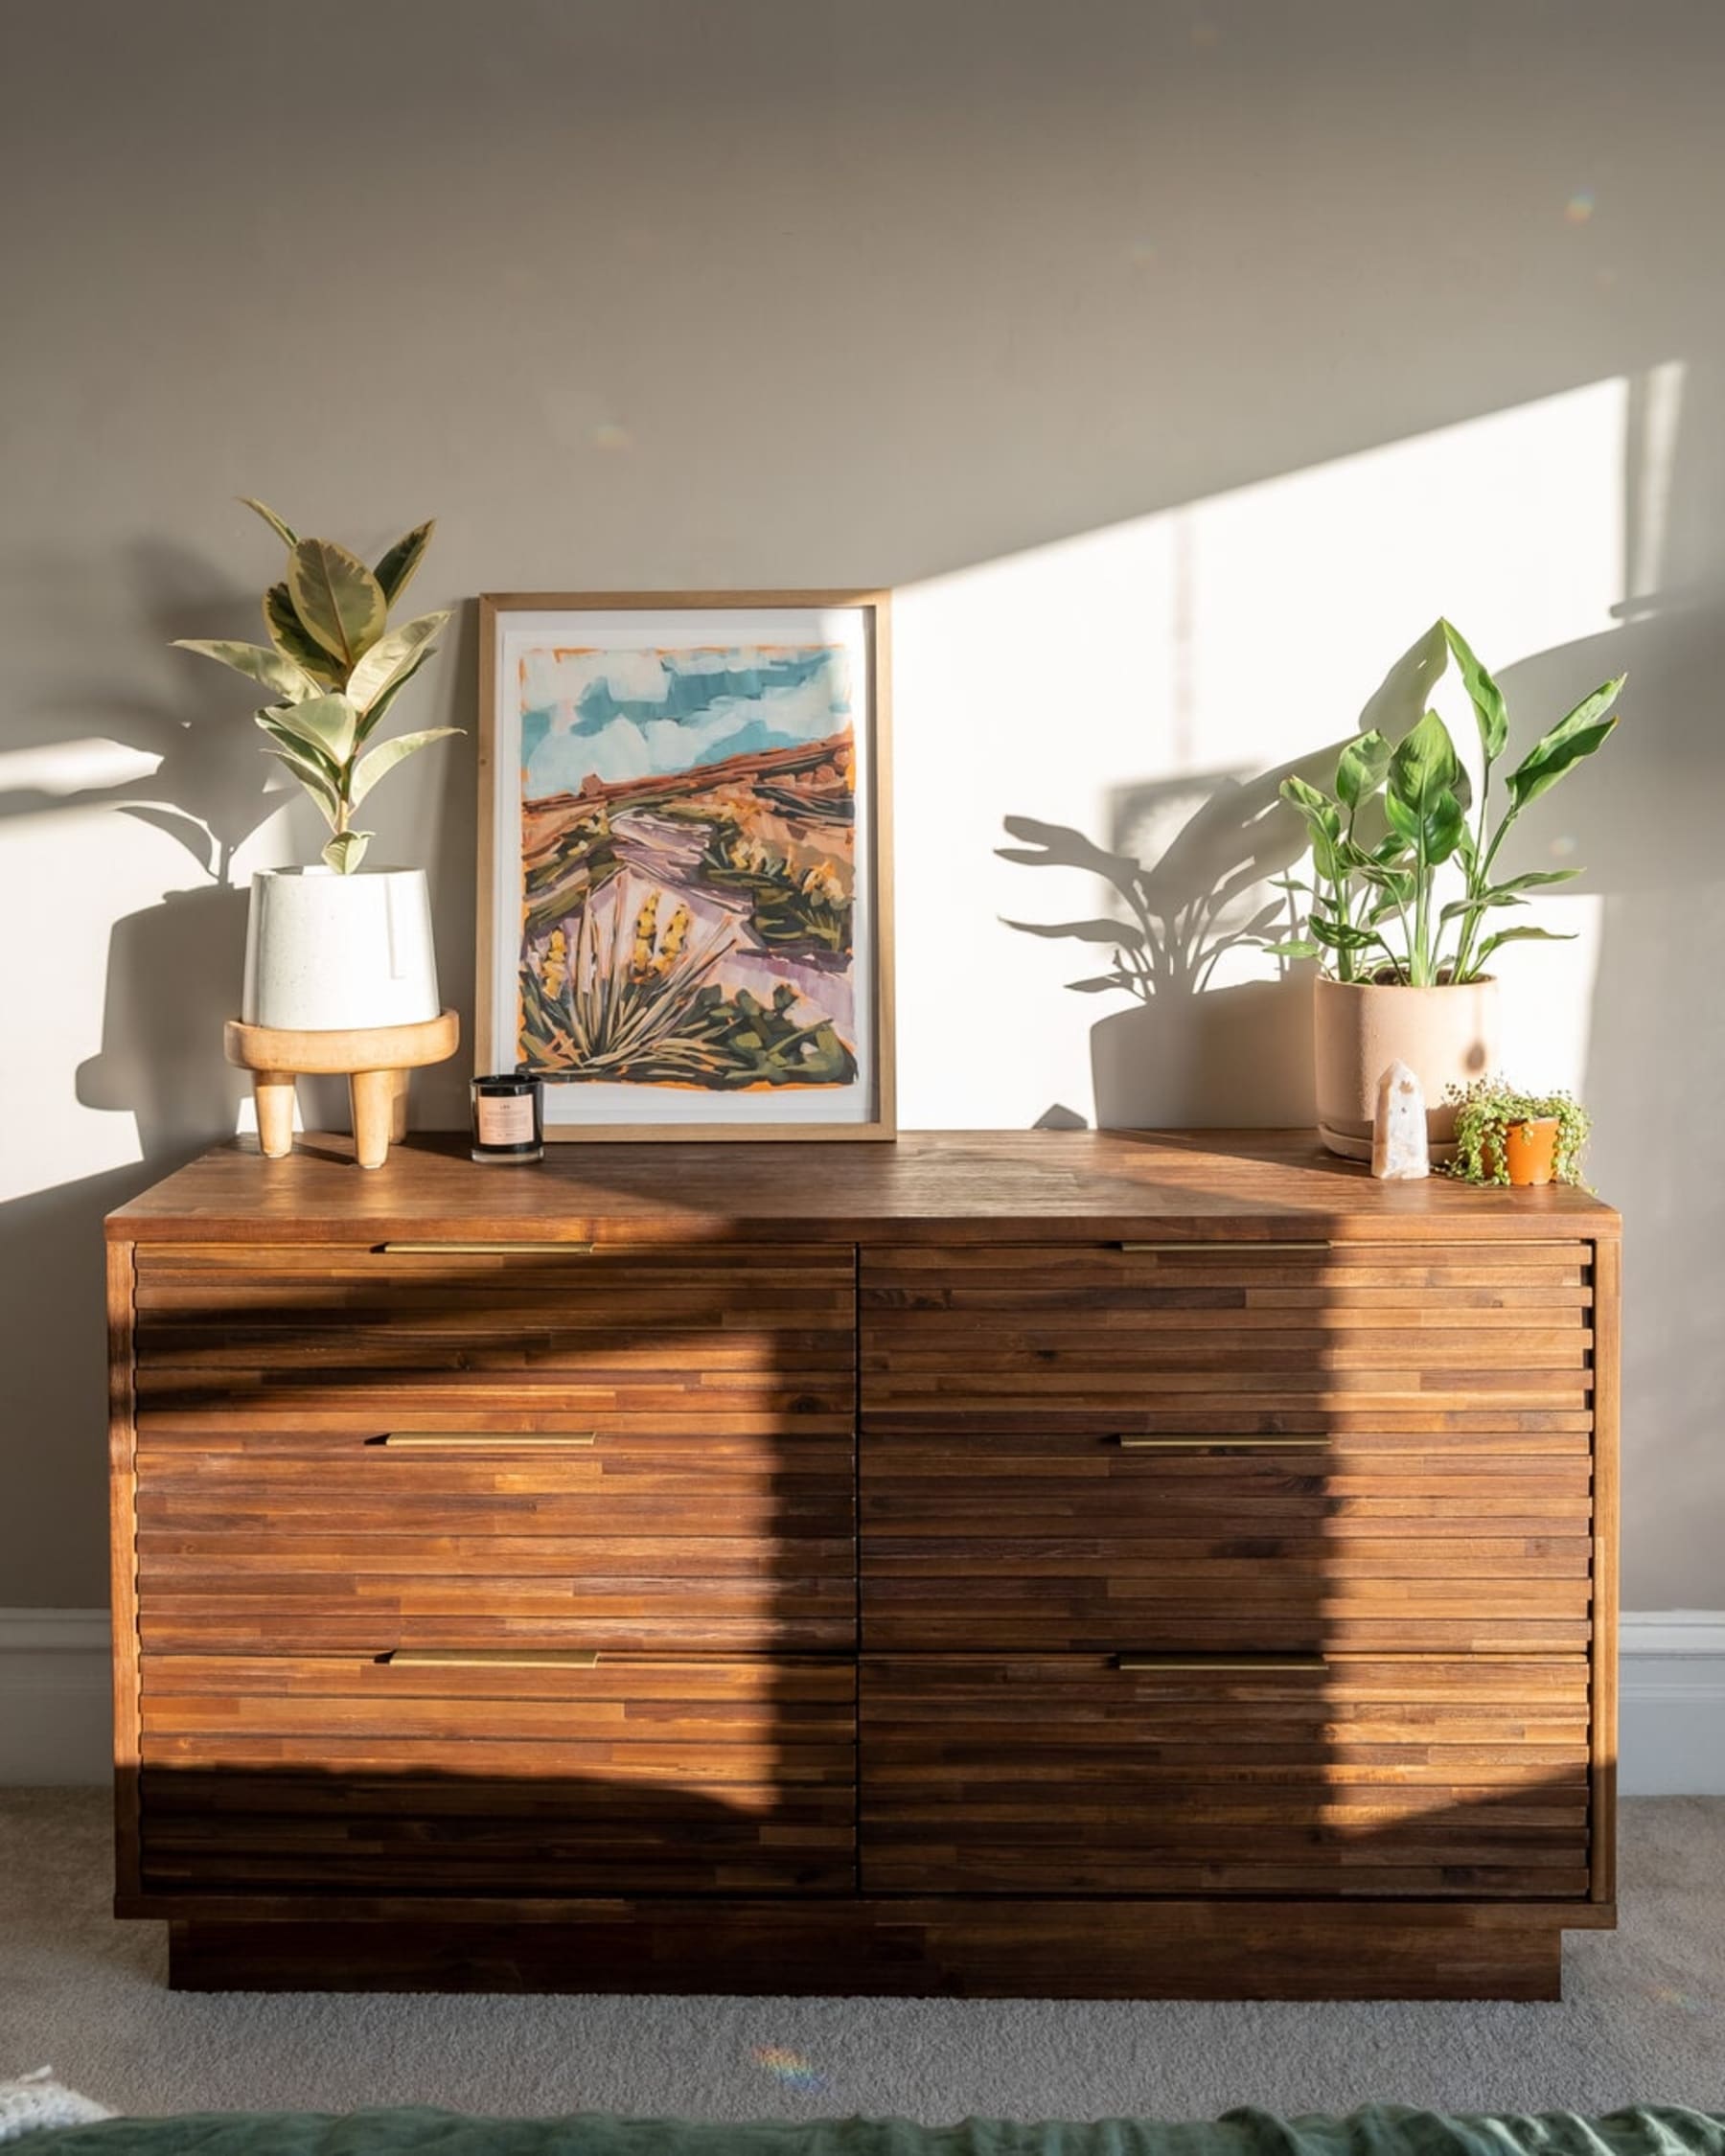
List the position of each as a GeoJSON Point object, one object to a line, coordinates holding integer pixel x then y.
{"type": "Point", "coordinates": [173, 965]}
{"type": "Point", "coordinates": [1194, 1051]}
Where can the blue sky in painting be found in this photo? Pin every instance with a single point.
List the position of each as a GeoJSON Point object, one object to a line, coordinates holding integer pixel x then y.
{"type": "Point", "coordinates": [620, 715]}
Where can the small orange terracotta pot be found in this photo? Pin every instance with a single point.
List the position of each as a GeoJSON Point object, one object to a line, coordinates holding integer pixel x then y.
{"type": "Point", "coordinates": [1531, 1151]}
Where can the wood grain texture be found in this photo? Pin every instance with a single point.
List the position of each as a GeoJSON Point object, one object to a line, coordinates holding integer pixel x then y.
{"type": "Point", "coordinates": [342, 1775]}
{"type": "Point", "coordinates": [122, 1563]}
{"type": "Point", "coordinates": [501, 1595]}
{"type": "Point", "coordinates": [905, 1948]}
{"type": "Point", "coordinates": [1607, 1512]}
{"type": "Point", "coordinates": [1067, 1774]}
{"type": "Point", "coordinates": [945, 1187]}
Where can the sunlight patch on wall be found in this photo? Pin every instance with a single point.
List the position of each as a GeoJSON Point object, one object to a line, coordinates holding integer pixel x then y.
{"type": "Point", "coordinates": [1080, 681]}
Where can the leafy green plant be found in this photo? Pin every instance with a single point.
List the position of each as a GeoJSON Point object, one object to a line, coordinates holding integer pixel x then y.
{"type": "Point", "coordinates": [1487, 1109]}
{"type": "Point", "coordinates": [335, 667]}
{"type": "Point", "coordinates": [1401, 812]}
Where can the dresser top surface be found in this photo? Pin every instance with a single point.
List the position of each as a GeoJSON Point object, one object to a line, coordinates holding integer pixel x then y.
{"type": "Point", "coordinates": [925, 1186]}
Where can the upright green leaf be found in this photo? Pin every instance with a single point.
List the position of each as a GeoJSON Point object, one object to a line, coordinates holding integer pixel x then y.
{"type": "Point", "coordinates": [271, 670]}
{"type": "Point", "coordinates": [1483, 693]}
{"type": "Point", "coordinates": [1360, 772]}
{"type": "Point", "coordinates": [1399, 698]}
{"type": "Point", "coordinates": [1423, 767]}
{"type": "Point", "coordinates": [344, 852]}
{"type": "Point", "coordinates": [390, 658]}
{"type": "Point", "coordinates": [337, 600]}
{"type": "Point", "coordinates": [286, 536]}
{"type": "Point", "coordinates": [288, 633]}
{"type": "Point", "coordinates": [373, 766]}
{"type": "Point", "coordinates": [1573, 738]}
{"type": "Point", "coordinates": [402, 558]}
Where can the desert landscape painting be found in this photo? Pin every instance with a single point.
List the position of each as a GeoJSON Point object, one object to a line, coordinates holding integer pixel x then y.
{"type": "Point", "coordinates": [688, 866]}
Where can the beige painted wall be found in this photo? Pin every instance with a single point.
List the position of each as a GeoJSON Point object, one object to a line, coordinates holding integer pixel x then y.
{"type": "Point", "coordinates": [1178, 361]}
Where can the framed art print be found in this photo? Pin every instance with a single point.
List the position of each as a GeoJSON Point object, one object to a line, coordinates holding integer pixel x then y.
{"type": "Point", "coordinates": [684, 889]}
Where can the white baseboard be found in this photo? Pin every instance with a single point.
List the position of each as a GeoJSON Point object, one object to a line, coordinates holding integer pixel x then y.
{"type": "Point", "coordinates": [55, 1717]}
{"type": "Point", "coordinates": [1672, 1702]}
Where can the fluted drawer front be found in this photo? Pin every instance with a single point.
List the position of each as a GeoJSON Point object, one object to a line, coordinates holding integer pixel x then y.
{"type": "Point", "coordinates": [433, 1776]}
{"type": "Point", "coordinates": [1463, 1778]}
{"type": "Point", "coordinates": [697, 1541]}
{"type": "Point", "coordinates": [1006, 1539]}
{"type": "Point", "coordinates": [754, 1339]}
{"type": "Point", "coordinates": [1227, 1337]}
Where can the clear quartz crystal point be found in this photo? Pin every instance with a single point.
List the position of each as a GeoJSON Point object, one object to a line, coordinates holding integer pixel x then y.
{"type": "Point", "coordinates": [1398, 1133]}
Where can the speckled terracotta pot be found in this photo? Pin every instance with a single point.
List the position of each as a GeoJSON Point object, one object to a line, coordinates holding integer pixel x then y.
{"type": "Point", "coordinates": [1445, 1036]}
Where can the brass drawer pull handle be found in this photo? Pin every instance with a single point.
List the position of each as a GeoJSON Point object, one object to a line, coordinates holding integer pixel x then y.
{"type": "Point", "coordinates": [495, 1440]}
{"type": "Point", "coordinates": [1226, 1249]}
{"type": "Point", "coordinates": [1250, 1665]}
{"type": "Point", "coordinates": [487, 1249]}
{"type": "Point", "coordinates": [1222, 1444]}
{"type": "Point", "coordinates": [493, 1657]}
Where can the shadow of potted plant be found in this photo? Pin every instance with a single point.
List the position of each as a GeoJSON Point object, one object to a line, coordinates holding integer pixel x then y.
{"type": "Point", "coordinates": [1191, 1052]}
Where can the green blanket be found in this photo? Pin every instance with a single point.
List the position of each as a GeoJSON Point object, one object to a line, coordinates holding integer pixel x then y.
{"type": "Point", "coordinates": [1378, 2130]}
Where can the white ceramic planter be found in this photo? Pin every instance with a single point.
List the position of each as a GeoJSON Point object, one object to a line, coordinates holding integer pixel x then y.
{"type": "Point", "coordinates": [325, 952]}
{"type": "Point", "coordinates": [1445, 1036]}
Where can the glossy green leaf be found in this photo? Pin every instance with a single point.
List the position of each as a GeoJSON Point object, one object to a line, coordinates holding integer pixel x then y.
{"type": "Point", "coordinates": [321, 793]}
{"type": "Point", "coordinates": [283, 531]}
{"type": "Point", "coordinates": [1360, 772]}
{"type": "Point", "coordinates": [288, 633]}
{"type": "Point", "coordinates": [1300, 947]}
{"type": "Point", "coordinates": [379, 710]}
{"type": "Point", "coordinates": [402, 558]}
{"type": "Point", "coordinates": [339, 601]}
{"type": "Point", "coordinates": [1516, 935]}
{"type": "Point", "coordinates": [1423, 767]}
{"type": "Point", "coordinates": [345, 851]}
{"type": "Point", "coordinates": [1483, 693]}
{"type": "Point", "coordinates": [269, 669]}
{"type": "Point", "coordinates": [309, 752]}
{"type": "Point", "coordinates": [1445, 826]}
{"type": "Point", "coordinates": [373, 766]}
{"type": "Point", "coordinates": [1573, 738]}
{"type": "Point", "coordinates": [391, 657]}
{"type": "Point", "coordinates": [326, 722]}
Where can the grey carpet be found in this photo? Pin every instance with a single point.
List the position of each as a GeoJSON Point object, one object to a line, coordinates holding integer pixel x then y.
{"type": "Point", "coordinates": [1644, 2021]}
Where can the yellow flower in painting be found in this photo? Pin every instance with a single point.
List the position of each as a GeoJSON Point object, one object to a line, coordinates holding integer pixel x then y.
{"type": "Point", "coordinates": [822, 882]}
{"type": "Point", "coordinates": [554, 966]}
{"type": "Point", "coordinates": [671, 942]}
{"type": "Point", "coordinates": [640, 963]}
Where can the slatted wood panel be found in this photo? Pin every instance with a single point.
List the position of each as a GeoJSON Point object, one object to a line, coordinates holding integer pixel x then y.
{"type": "Point", "coordinates": [1384, 1777]}
{"type": "Point", "coordinates": [1037, 1337]}
{"type": "Point", "coordinates": [334, 1774]}
{"type": "Point", "coordinates": [716, 1543]}
{"type": "Point", "coordinates": [983, 1540]}
{"type": "Point", "coordinates": [757, 1338]}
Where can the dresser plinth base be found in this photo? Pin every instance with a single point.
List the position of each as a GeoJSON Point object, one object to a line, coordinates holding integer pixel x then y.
{"type": "Point", "coordinates": [913, 1949]}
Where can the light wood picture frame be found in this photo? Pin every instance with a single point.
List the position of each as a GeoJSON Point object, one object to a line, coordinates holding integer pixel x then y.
{"type": "Point", "coordinates": [684, 861]}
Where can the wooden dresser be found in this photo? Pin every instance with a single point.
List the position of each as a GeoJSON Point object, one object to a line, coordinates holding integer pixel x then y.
{"type": "Point", "coordinates": [1051, 1564]}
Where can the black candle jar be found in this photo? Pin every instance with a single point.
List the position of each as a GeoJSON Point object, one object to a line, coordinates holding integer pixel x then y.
{"type": "Point", "coordinates": [509, 1118]}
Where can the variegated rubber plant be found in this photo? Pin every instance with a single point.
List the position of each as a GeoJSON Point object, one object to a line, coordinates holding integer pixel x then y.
{"type": "Point", "coordinates": [335, 667]}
